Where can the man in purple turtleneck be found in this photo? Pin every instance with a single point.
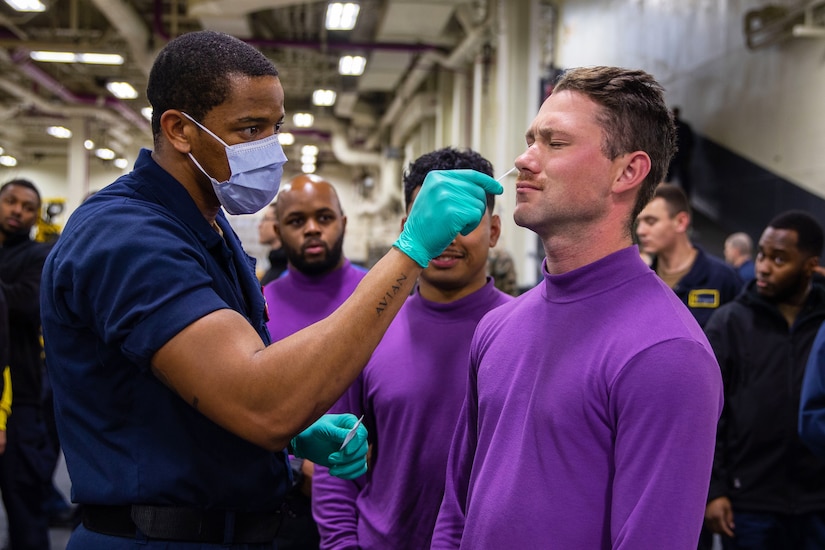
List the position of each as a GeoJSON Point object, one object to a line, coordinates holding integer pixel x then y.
{"type": "Point", "coordinates": [410, 393]}
{"type": "Point", "coordinates": [310, 223]}
{"type": "Point", "coordinates": [591, 408]}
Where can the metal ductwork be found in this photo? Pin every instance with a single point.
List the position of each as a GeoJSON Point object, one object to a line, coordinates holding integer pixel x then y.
{"type": "Point", "coordinates": [132, 28]}
{"type": "Point", "coordinates": [773, 24]}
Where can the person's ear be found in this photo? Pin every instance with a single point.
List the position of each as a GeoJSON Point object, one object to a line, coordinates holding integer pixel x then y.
{"type": "Point", "coordinates": [176, 128]}
{"type": "Point", "coordinates": [635, 167]}
{"type": "Point", "coordinates": [812, 266]}
{"type": "Point", "coordinates": [495, 229]}
{"type": "Point", "coordinates": [682, 221]}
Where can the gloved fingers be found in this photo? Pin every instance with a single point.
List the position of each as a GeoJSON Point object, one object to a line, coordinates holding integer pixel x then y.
{"type": "Point", "coordinates": [346, 420]}
{"type": "Point", "coordinates": [487, 183]}
{"type": "Point", "coordinates": [350, 470]}
{"type": "Point", "coordinates": [355, 448]}
{"type": "Point", "coordinates": [351, 461]}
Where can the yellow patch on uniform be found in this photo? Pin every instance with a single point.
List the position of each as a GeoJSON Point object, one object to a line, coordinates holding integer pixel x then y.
{"type": "Point", "coordinates": [703, 297]}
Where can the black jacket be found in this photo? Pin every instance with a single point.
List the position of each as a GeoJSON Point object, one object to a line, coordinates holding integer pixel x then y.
{"type": "Point", "coordinates": [21, 265]}
{"type": "Point", "coordinates": [760, 462]}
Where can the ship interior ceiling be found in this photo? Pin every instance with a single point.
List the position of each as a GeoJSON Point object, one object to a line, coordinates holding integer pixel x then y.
{"type": "Point", "coordinates": [34, 95]}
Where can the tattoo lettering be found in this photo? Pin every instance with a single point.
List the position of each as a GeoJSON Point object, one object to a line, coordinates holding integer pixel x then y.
{"type": "Point", "coordinates": [389, 295]}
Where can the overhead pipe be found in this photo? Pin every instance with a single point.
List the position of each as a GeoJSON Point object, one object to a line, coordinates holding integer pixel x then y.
{"type": "Point", "coordinates": [304, 44]}
{"type": "Point", "coordinates": [421, 70]}
{"type": "Point", "coordinates": [21, 59]}
{"type": "Point", "coordinates": [131, 26]}
{"type": "Point", "coordinates": [346, 154]}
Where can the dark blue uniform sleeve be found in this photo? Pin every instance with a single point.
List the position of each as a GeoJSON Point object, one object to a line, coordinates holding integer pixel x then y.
{"type": "Point", "coordinates": [812, 402]}
{"type": "Point", "coordinates": [137, 285]}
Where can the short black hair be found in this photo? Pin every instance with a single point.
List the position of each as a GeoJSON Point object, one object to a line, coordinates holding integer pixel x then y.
{"type": "Point", "coordinates": [808, 231]}
{"type": "Point", "coordinates": [20, 182]}
{"type": "Point", "coordinates": [447, 158]}
{"type": "Point", "coordinates": [190, 73]}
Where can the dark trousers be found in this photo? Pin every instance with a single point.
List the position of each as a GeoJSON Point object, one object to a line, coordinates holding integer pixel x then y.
{"type": "Point", "coordinates": [298, 529]}
{"type": "Point", "coordinates": [24, 473]}
{"type": "Point", "coordinates": [765, 531]}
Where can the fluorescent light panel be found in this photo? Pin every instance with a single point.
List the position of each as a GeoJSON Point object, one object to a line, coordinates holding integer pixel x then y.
{"type": "Point", "coordinates": [27, 5]}
{"type": "Point", "coordinates": [323, 98]}
{"type": "Point", "coordinates": [303, 120]}
{"type": "Point", "coordinates": [341, 16]}
{"type": "Point", "coordinates": [60, 132]}
{"type": "Point", "coordinates": [285, 138]}
{"type": "Point", "coordinates": [72, 57]}
{"type": "Point", "coordinates": [105, 153]}
{"type": "Point", "coordinates": [122, 90]}
{"type": "Point", "coordinates": [352, 65]}
{"type": "Point", "coordinates": [8, 160]}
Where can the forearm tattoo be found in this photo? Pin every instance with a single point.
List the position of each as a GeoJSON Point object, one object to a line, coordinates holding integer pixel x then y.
{"type": "Point", "coordinates": [391, 294]}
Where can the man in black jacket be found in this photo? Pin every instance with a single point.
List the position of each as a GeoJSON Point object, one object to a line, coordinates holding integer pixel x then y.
{"type": "Point", "coordinates": [767, 489]}
{"type": "Point", "coordinates": [25, 467]}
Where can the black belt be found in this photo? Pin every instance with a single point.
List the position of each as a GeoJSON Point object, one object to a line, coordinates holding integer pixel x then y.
{"type": "Point", "coordinates": [182, 524]}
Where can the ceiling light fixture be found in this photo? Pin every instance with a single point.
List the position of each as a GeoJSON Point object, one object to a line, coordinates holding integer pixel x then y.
{"type": "Point", "coordinates": [105, 153]}
{"type": "Point", "coordinates": [285, 138]}
{"type": "Point", "coordinates": [122, 90]}
{"type": "Point", "coordinates": [323, 98]}
{"type": "Point", "coordinates": [8, 161]}
{"type": "Point", "coordinates": [303, 120]}
{"type": "Point", "coordinates": [308, 168]}
{"type": "Point", "coordinates": [88, 145]}
{"type": "Point", "coordinates": [352, 65]}
{"type": "Point", "coordinates": [341, 16]}
{"type": "Point", "coordinates": [310, 150]}
{"type": "Point", "coordinates": [147, 113]}
{"type": "Point", "coordinates": [121, 163]}
{"type": "Point", "coordinates": [60, 132]}
{"type": "Point", "coordinates": [27, 5]}
{"type": "Point", "coordinates": [71, 57]}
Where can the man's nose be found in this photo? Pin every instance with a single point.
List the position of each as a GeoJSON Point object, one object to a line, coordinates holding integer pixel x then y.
{"type": "Point", "coordinates": [312, 226]}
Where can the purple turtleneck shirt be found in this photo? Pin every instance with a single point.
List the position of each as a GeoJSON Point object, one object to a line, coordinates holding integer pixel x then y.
{"type": "Point", "coordinates": [295, 301]}
{"type": "Point", "coordinates": [410, 394]}
{"type": "Point", "coordinates": [589, 420]}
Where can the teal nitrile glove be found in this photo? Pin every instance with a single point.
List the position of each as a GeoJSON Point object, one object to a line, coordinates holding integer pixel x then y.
{"type": "Point", "coordinates": [450, 202]}
{"type": "Point", "coordinates": [321, 442]}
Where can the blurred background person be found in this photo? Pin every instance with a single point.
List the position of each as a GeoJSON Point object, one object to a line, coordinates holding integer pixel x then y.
{"type": "Point", "coordinates": [739, 255]}
{"type": "Point", "coordinates": [277, 254]}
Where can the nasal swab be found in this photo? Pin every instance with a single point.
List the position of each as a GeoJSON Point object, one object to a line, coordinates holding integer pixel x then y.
{"type": "Point", "coordinates": [505, 174]}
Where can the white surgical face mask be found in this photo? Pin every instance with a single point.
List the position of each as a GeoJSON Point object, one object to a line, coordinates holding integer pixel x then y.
{"type": "Point", "coordinates": [255, 169]}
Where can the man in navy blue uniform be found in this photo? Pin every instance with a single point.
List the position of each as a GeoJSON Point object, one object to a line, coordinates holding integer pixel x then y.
{"type": "Point", "coordinates": [702, 281]}
{"type": "Point", "coordinates": [174, 411]}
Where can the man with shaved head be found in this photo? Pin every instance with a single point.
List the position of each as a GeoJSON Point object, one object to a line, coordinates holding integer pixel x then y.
{"type": "Point", "coordinates": [310, 223]}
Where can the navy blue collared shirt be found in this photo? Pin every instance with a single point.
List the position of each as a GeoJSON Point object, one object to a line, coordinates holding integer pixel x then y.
{"type": "Point", "coordinates": [709, 284]}
{"type": "Point", "coordinates": [135, 265]}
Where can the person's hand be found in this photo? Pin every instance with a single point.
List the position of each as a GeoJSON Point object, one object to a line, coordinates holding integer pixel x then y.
{"type": "Point", "coordinates": [321, 442]}
{"type": "Point", "coordinates": [450, 202]}
{"type": "Point", "coordinates": [719, 516]}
